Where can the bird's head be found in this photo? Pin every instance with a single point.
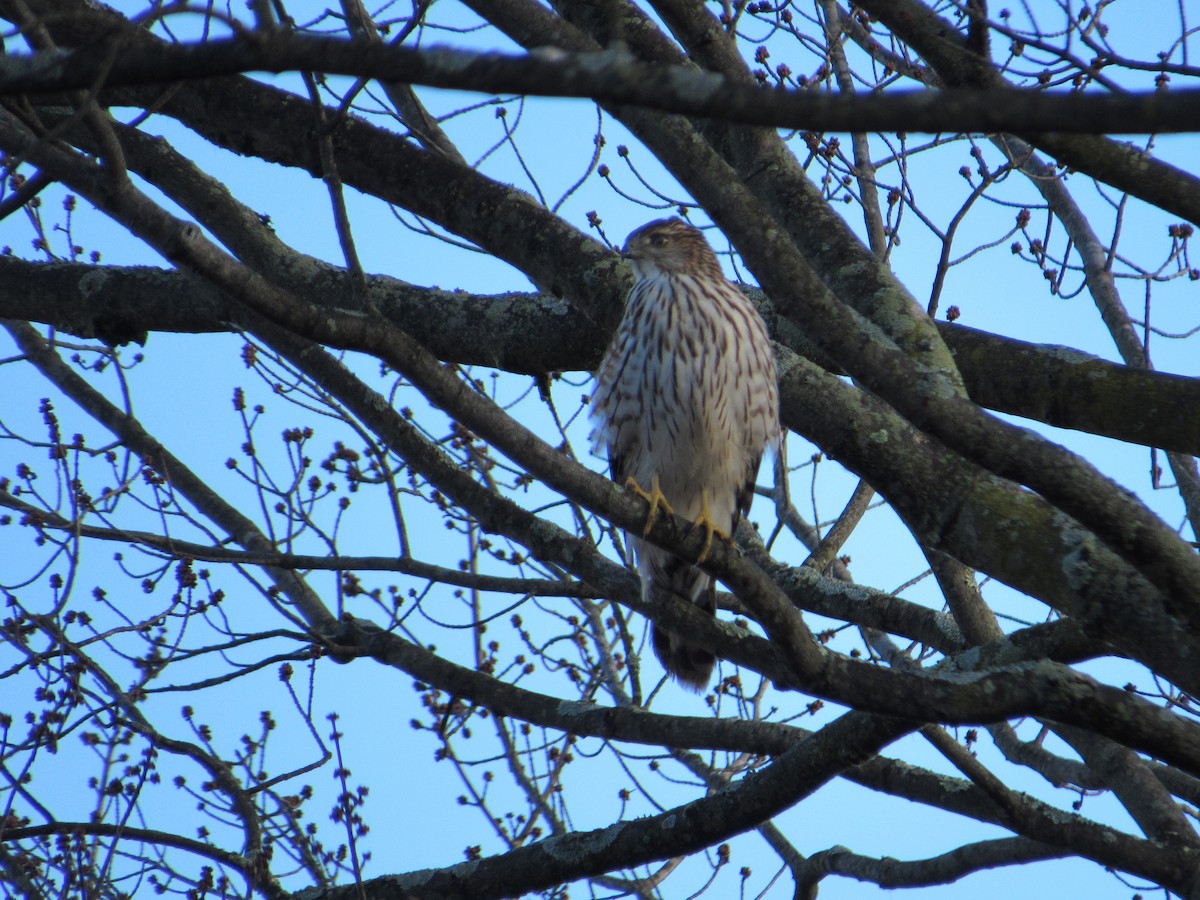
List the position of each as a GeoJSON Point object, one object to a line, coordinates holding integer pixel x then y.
{"type": "Point", "coordinates": [670, 247]}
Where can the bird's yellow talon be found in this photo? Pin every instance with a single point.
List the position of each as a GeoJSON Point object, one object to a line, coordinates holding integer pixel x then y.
{"type": "Point", "coordinates": [705, 521]}
{"type": "Point", "coordinates": [654, 497]}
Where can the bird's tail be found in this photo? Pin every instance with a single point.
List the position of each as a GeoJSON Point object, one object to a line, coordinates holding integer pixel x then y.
{"type": "Point", "coordinates": [691, 664]}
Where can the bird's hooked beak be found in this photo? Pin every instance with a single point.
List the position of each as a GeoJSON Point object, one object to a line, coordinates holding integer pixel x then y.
{"type": "Point", "coordinates": [634, 253]}
{"type": "Point", "coordinates": [636, 259]}
{"type": "Point", "coordinates": [632, 249]}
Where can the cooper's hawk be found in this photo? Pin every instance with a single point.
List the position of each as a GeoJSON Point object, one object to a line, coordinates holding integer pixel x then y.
{"type": "Point", "coordinates": [686, 403]}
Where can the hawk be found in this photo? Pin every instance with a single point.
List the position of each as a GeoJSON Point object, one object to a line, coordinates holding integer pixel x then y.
{"type": "Point", "coordinates": [686, 403]}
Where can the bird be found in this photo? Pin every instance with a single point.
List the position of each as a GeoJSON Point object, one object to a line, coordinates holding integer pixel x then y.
{"type": "Point", "coordinates": [686, 403]}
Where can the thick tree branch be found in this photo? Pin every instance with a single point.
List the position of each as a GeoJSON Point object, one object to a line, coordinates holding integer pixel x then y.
{"type": "Point", "coordinates": [609, 76]}
{"type": "Point", "coordinates": [1056, 385]}
{"type": "Point", "coordinates": [945, 868]}
{"type": "Point", "coordinates": [1065, 387]}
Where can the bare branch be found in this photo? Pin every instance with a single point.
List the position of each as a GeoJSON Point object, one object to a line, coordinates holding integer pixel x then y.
{"type": "Point", "coordinates": [612, 77]}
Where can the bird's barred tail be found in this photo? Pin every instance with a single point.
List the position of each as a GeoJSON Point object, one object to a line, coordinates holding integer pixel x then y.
{"type": "Point", "coordinates": [691, 664]}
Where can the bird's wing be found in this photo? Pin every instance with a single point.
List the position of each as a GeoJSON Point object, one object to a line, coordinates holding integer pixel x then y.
{"type": "Point", "coordinates": [616, 465]}
{"type": "Point", "coordinates": [623, 443]}
{"type": "Point", "coordinates": [617, 412]}
{"type": "Point", "coordinates": [745, 494]}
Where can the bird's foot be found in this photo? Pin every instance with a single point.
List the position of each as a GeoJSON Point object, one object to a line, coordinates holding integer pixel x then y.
{"type": "Point", "coordinates": [705, 521]}
{"type": "Point", "coordinates": [654, 497]}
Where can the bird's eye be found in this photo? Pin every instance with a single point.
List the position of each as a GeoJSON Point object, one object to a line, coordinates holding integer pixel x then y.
{"type": "Point", "coordinates": [658, 240]}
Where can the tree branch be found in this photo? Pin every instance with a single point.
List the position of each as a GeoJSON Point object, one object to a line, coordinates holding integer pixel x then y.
{"type": "Point", "coordinates": [1056, 385]}
{"type": "Point", "coordinates": [945, 868]}
{"type": "Point", "coordinates": [609, 76]}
